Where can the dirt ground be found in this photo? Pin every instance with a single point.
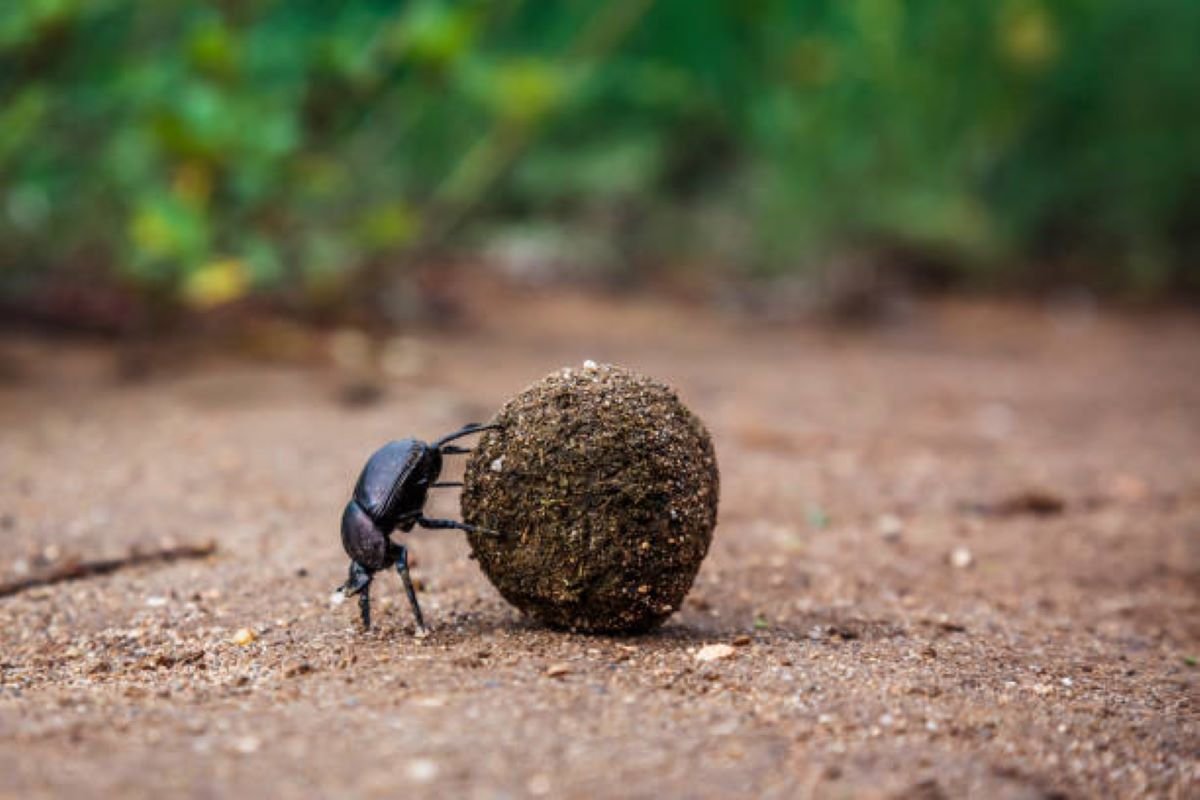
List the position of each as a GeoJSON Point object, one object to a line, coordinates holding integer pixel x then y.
{"type": "Point", "coordinates": [910, 612]}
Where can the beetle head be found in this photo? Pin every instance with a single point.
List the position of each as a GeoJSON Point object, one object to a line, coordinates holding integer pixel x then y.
{"type": "Point", "coordinates": [363, 540]}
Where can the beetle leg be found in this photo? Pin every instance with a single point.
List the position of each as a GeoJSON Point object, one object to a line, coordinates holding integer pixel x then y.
{"type": "Point", "coordinates": [364, 606]}
{"type": "Point", "coordinates": [402, 568]}
{"type": "Point", "coordinates": [453, 450]}
{"type": "Point", "coordinates": [359, 583]}
{"type": "Point", "coordinates": [450, 524]}
{"type": "Point", "coordinates": [446, 485]}
{"type": "Point", "coordinates": [465, 430]}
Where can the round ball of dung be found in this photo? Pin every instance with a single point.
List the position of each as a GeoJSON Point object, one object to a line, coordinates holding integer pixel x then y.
{"type": "Point", "coordinates": [604, 486]}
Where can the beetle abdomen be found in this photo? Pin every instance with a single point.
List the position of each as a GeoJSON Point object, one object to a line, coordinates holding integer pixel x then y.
{"type": "Point", "coordinates": [362, 539]}
{"type": "Point", "coordinates": [380, 488]}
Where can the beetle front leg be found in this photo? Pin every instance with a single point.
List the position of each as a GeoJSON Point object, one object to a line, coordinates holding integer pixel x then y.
{"type": "Point", "coordinates": [465, 430]}
{"type": "Point", "coordinates": [364, 606]}
{"type": "Point", "coordinates": [402, 568]}
{"type": "Point", "coordinates": [358, 583]}
{"type": "Point", "coordinates": [450, 524]}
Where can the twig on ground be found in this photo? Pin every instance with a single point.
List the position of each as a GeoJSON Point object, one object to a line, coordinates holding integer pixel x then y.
{"type": "Point", "coordinates": [73, 569]}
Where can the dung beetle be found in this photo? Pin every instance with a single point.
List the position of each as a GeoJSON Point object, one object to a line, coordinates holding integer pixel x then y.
{"type": "Point", "coordinates": [390, 495]}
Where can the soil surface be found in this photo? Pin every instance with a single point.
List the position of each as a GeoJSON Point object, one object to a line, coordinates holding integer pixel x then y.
{"type": "Point", "coordinates": [958, 555]}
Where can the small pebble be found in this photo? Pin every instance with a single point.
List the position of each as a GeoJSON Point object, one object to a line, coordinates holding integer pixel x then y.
{"type": "Point", "coordinates": [422, 770]}
{"type": "Point", "coordinates": [558, 670]}
{"type": "Point", "coordinates": [247, 745]}
{"type": "Point", "coordinates": [156, 601]}
{"type": "Point", "coordinates": [295, 668]}
{"type": "Point", "coordinates": [742, 641]}
{"type": "Point", "coordinates": [714, 652]}
{"type": "Point", "coordinates": [961, 558]}
{"type": "Point", "coordinates": [243, 637]}
{"type": "Point", "coordinates": [890, 527]}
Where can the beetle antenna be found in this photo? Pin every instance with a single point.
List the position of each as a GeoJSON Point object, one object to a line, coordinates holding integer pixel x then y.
{"type": "Point", "coordinates": [447, 485]}
{"type": "Point", "coordinates": [453, 450]}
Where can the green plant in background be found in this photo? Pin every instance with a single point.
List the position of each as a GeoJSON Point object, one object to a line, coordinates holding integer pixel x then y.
{"type": "Point", "coordinates": [203, 151]}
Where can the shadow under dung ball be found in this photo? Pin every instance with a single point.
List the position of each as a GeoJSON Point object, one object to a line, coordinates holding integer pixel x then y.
{"type": "Point", "coordinates": [606, 486]}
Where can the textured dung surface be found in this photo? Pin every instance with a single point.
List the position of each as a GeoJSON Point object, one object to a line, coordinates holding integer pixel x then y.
{"type": "Point", "coordinates": [606, 487]}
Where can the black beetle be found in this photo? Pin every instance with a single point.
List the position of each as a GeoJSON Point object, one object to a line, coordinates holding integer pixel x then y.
{"type": "Point", "coordinates": [390, 495]}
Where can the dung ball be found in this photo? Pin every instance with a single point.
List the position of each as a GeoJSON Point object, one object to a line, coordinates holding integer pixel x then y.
{"type": "Point", "coordinates": [605, 487]}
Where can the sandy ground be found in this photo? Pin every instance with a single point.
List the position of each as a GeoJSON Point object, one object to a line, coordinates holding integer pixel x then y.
{"type": "Point", "coordinates": [901, 623]}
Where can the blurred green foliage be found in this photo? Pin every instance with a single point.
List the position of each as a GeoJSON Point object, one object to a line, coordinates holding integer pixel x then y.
{"type": "Point", "coordinates": [207, 149]}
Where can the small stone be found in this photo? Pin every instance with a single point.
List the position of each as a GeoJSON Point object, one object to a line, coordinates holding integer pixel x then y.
{"type": "Point", "coordinates": [558, 670]}
{"type": "Point", "coordinates": [589, 364]}
{"type": "Point", "coordinates": [961, 558]}
{"type": "Point", "coordinates": [243, 637]}
{"type": "Point", "coordinates": [714, 652]}
{"type": "Point", "coordinates": [497, 464]}
{"type": "Point", "coordinates": [422, 770]}
{"type": "Point", "coordinates": [890, 527]}
{"type": "Point", "coordinates": [295, 668]}
{"type": "Point", "coordinates": [156, 601]}
{"type": "Point", "coordinates": [247, 745]}
{"type": "Point", "coordinates": [742, 641]}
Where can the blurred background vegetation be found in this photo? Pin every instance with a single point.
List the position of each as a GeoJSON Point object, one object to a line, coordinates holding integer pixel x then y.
{"type": "Point", "coordinates": [307, 153]}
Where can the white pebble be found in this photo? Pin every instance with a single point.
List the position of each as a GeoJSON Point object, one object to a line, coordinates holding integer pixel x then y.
{"type": "Point", "coordinates": [589, 364]}
{"type": "Point", "coordinates": [337, 598]}
{"type": "Point", "coordinates": [156, 601]}
{"type": "Point", "coordinates": [890, 526]}
{"type": "Point", "coordinates": [961, 558]}
{"type": "Point", "coordinates": [714, 652]}
{"type": "Point", "coordinates": [247, 745]}
{"type": "Point", "coordinates": [498, 464]}
{"type": "Point", "coordinates": [422, 770]}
